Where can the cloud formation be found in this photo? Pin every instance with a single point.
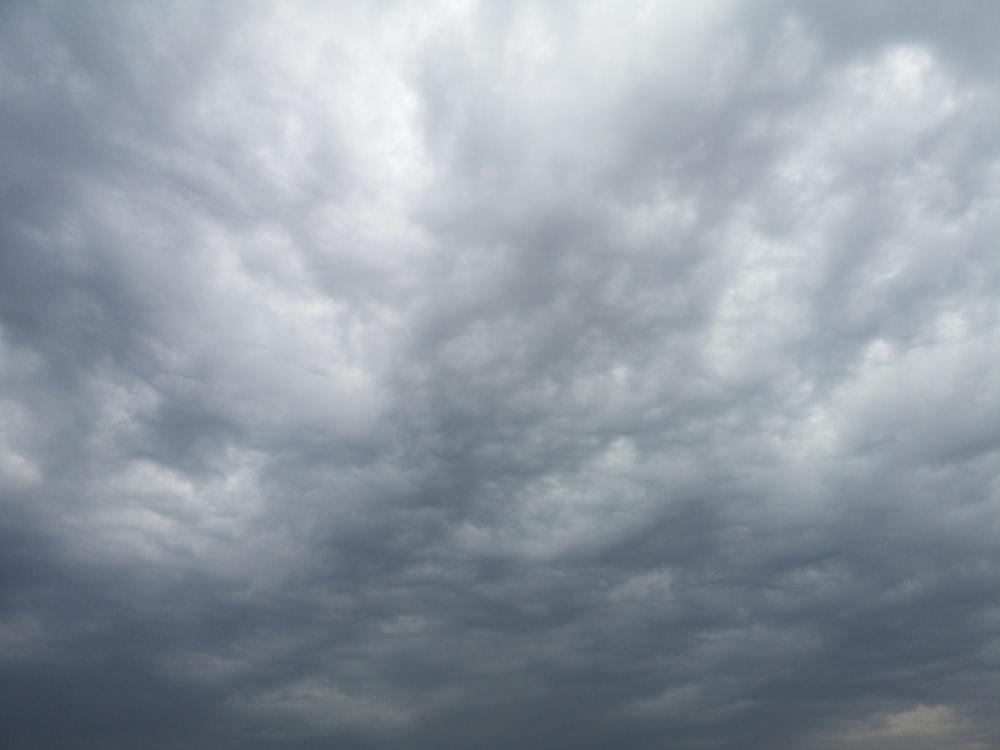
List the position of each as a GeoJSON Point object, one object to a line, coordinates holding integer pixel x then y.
{"type": "Point", "coordinates": [592, 375]}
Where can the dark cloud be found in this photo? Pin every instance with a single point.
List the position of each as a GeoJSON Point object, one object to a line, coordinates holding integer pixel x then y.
{"type": "Point", "coordinates": [391, 375]}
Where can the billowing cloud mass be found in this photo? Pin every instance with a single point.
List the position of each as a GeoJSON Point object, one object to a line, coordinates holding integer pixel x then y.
{"type": "Point", "coordinates": [500, 375]}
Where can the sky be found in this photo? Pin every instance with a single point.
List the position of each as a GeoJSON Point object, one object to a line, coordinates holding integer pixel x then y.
{"type": "Point", "coordinates": [440, 375]}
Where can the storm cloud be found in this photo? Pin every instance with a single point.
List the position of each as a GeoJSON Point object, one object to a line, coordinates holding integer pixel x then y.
{"type": "Point", "coordinates": [503, 374]}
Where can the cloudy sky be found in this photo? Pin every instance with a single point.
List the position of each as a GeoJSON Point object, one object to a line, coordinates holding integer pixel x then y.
{"type": "Point", "coordinates": [383, 375]}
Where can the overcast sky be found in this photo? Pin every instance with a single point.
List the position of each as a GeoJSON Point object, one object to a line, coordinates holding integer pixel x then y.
{"type": "Point", "coordinates": [500, 375]}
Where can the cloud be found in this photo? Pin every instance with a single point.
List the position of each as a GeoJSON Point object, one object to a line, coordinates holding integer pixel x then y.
{"type": "Point", "coordinates": [921, 726]}
{"type": "Point", "coordinates": [498, 374]}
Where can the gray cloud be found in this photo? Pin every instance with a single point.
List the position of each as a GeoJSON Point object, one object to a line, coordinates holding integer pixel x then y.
{"type": "Point", "coordinates": [402, 375]}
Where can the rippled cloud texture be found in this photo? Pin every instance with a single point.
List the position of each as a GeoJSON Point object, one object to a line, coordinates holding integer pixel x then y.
{"type": "Point", "coordinates": [500, 375]}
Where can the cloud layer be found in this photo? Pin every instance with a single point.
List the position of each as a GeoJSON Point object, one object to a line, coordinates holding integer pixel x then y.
{"type": "Point", "coordinates": [592, 375]}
